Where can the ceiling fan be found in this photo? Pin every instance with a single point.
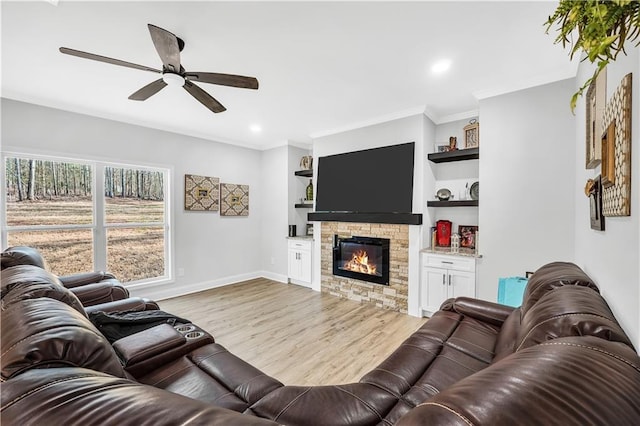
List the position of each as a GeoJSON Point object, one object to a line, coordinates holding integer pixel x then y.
{"type": "Point", "coordinates": [169, 47]}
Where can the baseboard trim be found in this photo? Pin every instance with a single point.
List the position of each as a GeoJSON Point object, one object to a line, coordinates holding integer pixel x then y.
{"type": "Point", "coordinates": [173, 289]}
{"type": "Point", "coordinates": [275, 277]}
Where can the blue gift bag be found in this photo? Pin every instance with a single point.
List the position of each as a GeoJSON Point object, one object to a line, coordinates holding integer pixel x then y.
{"type": "Point", "coordinates": [511, 290]}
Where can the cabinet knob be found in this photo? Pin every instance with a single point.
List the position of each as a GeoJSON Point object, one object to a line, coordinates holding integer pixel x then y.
{"type": "Point", "coordinates": [449, 279]}
{"type": "Point", "coordinates": [443, 279]}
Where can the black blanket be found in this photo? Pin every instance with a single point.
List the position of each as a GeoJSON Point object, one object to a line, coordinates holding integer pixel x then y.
{"type": "Point", "coordinates": [116, 325]}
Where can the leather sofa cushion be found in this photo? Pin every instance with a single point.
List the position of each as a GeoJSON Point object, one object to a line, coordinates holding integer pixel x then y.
{"type": "Point", "coordinates": [552, 276]}
{"type": "Point", "coordinates": [29, 282]}
{"type": "Point", "coordinates": [212, 374]}
{"type": "Point", "coordinates": [567, 381]}
{"type": "Point", "coordinates": [569, 311]}
{"type": "Point", "coordinates": [76, 396]}
{"type": "Point", "coordinates": [354, 404]}
{"type": "Point", "coordinates": [39, 333]}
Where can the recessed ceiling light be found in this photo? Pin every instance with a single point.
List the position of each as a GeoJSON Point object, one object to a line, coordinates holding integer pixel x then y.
{"type": "Point", "coordinates": [441, 66]}
{"type": "Point", "coordinates": [255, 128]}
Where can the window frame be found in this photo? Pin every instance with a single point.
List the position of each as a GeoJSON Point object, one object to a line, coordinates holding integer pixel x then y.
{"type": "Point", "coordinates": [99, 226]}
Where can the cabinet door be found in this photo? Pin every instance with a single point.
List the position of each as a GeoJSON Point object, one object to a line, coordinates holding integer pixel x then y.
{"type": "Point", "coordinates": [294, 265]}
{"type": "Point", "coordinates": [434, 289]}
{"type": "Point", "coordinates": [461, 284]}
{"type": "Point", "coordinates": [304, 259]}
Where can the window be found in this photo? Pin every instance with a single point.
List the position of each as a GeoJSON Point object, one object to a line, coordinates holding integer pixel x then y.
{"type": "Point", "coordinates": [52, 205]}
{"type": "Point", "coordinates": [134, 221]}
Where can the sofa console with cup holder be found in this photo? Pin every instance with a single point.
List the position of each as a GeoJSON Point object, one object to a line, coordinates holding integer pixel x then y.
{"type": "Point", "coordinates": [559, 359]}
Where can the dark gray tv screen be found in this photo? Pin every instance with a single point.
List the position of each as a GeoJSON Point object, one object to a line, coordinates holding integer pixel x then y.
{"type": "Point", "coordinates": [378, 180]}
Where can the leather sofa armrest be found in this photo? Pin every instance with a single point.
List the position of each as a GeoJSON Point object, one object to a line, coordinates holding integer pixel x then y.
{"type": "Point", "coordinates": [146, 344]}
{"type": "Point", "coordinates": [493, 313]}
{"type": "Point", "coordinates": [84, 278]}
{"type": "Point", "coordinates": [102, 292]}
{"type": "Point", "coordinates": [129, 304]}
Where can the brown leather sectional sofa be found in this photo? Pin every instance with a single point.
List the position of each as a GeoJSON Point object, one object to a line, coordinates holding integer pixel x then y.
{"type": "Point", "coordinates": [561, 358]}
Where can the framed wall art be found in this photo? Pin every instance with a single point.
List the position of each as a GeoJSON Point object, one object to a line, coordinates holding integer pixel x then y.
{"type": "Point", "coordinates": [608, 147]}
{"type": "Point", "coordinates": [472, 134]}
{"type": "Point", "coordinates": [596, 100]}
{"type": "Point", "coordinates": [234, 200]}
{"type": "Point", "coordinates": [201, 193]}
{"type": "Point", "coordinates": [616, 197]}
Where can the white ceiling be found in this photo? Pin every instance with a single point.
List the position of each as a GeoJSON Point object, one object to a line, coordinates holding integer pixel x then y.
{"type": "Point", "coordinates": [322, 66]}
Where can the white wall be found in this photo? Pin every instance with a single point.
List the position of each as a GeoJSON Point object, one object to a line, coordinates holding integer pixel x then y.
{"type": "Point", "coordinates": [274, 221]}
{"type": "Point", "coordinates": [612, 257]}
{"type": "Point", "coordinates": [527, 175]}
{"type": "Point", "coordinates": [212, 250]}
{"type": "Point", "coordinates": [409, 129]}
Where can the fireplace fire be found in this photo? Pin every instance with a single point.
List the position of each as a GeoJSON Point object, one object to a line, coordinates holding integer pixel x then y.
{"type": "Point", "coordinates": [362, 258]}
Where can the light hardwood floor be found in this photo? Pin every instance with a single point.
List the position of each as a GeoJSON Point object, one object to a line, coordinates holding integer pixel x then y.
{"type": "Point", "coordinates": [297, 335]}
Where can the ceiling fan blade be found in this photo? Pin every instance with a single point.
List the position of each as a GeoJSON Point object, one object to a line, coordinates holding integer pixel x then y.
{"type": "Point", "coordinates": [166, 44]}
{"type": "Point", "coordinates": [224, 79]}
{"type": "Point", "coordinates": [149, 90]}
{"type": "Point", "coordinates": [203, 97]}
{"type": "Point", "coordinates": [99, 58]}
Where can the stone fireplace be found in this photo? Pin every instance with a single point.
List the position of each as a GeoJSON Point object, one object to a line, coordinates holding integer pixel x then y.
{"type": "Point", "coordinates": [392, 296]}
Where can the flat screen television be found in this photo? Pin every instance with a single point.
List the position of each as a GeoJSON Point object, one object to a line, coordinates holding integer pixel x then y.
{"type": "Point", "coordinates": [378, 180]}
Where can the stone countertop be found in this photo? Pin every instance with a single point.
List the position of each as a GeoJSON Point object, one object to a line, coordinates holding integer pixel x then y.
{"type": "Point", "coordinates": [301, 237]}
{"type": "Point", "coordinates": [446, 250]}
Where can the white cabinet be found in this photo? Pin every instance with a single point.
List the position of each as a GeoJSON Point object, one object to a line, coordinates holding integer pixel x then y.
{"type": "Point", "coordinates": [445, 276]}
{"type": "Point", "coordinates": [300, 261]}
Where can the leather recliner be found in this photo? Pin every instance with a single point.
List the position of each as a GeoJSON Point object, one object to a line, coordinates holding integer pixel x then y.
{"type": "Point", "coordinates": [91, 288]}
{"type": "Point", "coordinates": [44, 326]}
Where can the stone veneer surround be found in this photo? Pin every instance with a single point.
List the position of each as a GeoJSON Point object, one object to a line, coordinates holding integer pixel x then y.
{"type": "Point", "coordinates": [395, 295]}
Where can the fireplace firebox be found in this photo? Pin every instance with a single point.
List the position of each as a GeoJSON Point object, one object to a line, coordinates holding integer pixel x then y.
{"type": "Point", "coordinates": [362, 258]}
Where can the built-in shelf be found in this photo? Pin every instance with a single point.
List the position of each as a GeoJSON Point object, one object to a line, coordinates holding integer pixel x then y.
{"type": "Point", "coordinates": [303, 206]}
{"type": "Point", "coordinates": [458, 203]}
{"type": "Point", "coordinates": [458, 155]}
{"type": "Point", "coordinates": [304, 173]}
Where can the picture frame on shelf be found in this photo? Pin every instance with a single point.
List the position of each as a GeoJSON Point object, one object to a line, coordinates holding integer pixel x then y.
{"type": "Point", "coordinates": [595, 100]}
{"type": "Point", "coordinates": [467, 236]}
{"type": "Point", "coordinates": [472, 134]}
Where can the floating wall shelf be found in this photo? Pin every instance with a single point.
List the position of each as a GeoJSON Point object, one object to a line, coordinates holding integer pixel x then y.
{"type": "Point", "coordinates": [458, 155]}
{"type": "Point", "coordinates": [459, 203]}
{"type": "Point", "coordinates": [304, 173]}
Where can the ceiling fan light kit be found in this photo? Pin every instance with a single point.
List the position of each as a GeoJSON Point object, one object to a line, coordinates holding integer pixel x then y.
{"type": "Point", "coordinates": [173, 79]}
{"type": "Point", "coordinates": [169, 47]}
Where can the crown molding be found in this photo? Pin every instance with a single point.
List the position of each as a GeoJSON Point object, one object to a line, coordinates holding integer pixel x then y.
{"type": "Point", "coordinates": [370, 122]}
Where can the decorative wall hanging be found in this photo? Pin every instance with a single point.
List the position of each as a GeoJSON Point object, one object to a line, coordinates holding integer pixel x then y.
{"type": "Point", "coordinates": [595, 102]}
{"type": "Point", "coordinates": [593, 190]}
{"type": "Point", "coordinates": [472, 134]}
{"type": "Point", "coordinates": [234, 200]}
{"type": "Point", "coordinates": [201, 193]}
{"type": "Point", "coordinates": [608, 148]}
{"type": "Point", "coordinates": [616, 199]}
